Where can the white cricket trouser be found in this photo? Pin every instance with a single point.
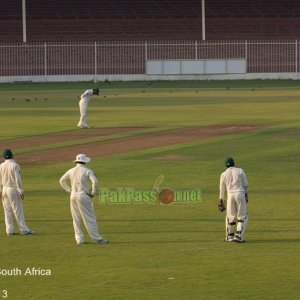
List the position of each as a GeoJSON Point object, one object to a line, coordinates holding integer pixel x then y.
{"type": "Point", "coordinates": [13, 206]}
{"type": "Point", "coordinates": [83, 107]}
{"type": "Point", "coordinates": [236, 209]}
{"type": "Point", "coordinates": [82, 208]}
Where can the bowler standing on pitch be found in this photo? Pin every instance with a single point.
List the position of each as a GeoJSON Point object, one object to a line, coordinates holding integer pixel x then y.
{"type": "Point", "coordinates": [81, 202]}
{"type": "Point", "coordinates": [83, 106]}
{"type": "Point", "coordinates": [11, 192]}
{"type": "Point", "coordinates": [234, 182]}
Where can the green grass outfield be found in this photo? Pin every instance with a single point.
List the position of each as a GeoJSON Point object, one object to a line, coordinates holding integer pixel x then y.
{"type": "Point", "coordinates": [160, 251]}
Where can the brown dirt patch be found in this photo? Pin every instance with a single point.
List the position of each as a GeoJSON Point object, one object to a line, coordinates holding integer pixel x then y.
{"type": "Point", "coordinates": [54, 138]}
{"type": "Point", "coordinates": [123, 145]}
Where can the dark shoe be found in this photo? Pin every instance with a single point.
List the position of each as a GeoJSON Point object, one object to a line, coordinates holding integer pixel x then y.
{"type": "Point", "coordinates": [103, 241]}
{"type": "Point", "coordinates": [28, 232]}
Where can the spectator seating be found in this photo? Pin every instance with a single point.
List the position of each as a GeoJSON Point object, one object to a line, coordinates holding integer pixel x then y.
{"type": "Point", "coordinates": [117, 20]}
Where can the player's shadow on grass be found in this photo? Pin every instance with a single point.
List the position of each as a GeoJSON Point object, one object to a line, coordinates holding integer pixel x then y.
{"type": "Point", "coordinates": [206, 241]}
{"type": "Point", "coordinates": [162, 242]}
{"type": "Point", "coordinates": [273, 241]}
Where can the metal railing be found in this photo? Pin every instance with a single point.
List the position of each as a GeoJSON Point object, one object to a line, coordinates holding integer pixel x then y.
{"type": "Point", "coordinates": [110, 58]}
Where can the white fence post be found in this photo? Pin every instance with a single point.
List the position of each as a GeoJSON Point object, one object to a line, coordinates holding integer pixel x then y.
{"type": "Point", "coordinates": [296, 56]}
{"type": "Point", "coordinates": [146, 51]}
{"type": "Point", "coordinates": [95, 59]}
{"type": "Point", "coordinates": [45, 59]}
{"type": "Point", "coordinates": [246, 55]}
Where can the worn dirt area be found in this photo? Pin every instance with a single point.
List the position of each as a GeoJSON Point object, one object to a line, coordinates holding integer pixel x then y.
{"type": "Point", "coordinates": [64, 137]}
{"type": "Point", "coordinates": [115, 146]}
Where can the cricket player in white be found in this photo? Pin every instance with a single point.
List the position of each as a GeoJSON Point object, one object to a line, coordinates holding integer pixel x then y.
{"type": "Point", "coordinates": [12, 194]}
{"type": "Point", "coordinates": [83, 106]}
{"type": "Point", "coordinates": [81, 202]}
{"type": "Point", "coordinates": [234, 182]}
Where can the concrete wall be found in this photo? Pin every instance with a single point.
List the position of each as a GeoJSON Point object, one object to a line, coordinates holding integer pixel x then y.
{"type": "Point", "coordinates": [142, 77]}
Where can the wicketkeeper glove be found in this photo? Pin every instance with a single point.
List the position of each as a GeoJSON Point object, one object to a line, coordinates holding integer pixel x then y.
{"type": "Point", "coordinates": [221, 205]}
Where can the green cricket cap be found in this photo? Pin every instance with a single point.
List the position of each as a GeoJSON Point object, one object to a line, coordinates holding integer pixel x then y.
{"type": "Point", "coordinates": [7, 153]}
{"type": "Point", "coordinates": [229, 162]}
{"type": "Point", "coordinates": [96, 92]}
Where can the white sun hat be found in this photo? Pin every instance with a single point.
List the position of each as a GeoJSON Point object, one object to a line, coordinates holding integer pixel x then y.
{"type": "Point", "coordinates": [82, 158]}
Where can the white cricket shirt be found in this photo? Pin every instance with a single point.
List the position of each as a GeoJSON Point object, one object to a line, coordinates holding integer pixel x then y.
{"type": "Point", "coordinates": [10, 175]}
{"type": "Point", "coordinates": [79, 177]}
{"type": "Point", "coordinates": [233, 180]}
{"type": "Point", "coordinates": [86, 96]}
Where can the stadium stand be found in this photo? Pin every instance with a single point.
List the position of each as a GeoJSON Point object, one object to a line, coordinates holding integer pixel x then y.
{"type": "Point", "coordinates": [108, 20]}
{"type": "Point", "coordinates": [253, 20]}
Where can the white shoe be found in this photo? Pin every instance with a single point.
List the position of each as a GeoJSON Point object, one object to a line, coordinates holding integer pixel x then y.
{"type": "Point", "coordinates": [238, 238]}
{"type": "Point", "coordinates": [229, 239]}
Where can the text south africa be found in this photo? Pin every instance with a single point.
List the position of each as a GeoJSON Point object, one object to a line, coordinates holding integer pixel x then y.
{"type": "Point", "coordinates": [30, 271]}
